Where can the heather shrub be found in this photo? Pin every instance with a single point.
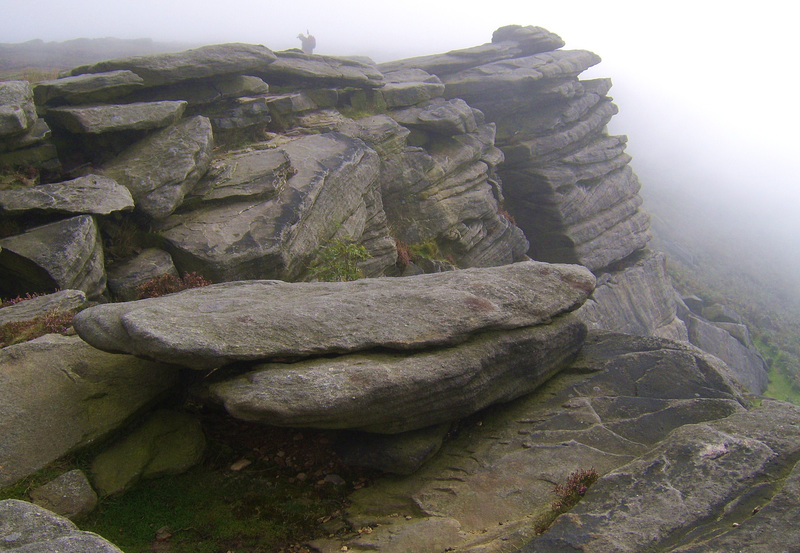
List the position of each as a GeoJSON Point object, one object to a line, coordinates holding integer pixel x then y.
{"type": "Point", "coordinates": [338, 261]}
{"type": "Point", "coordinates": [169, 284]}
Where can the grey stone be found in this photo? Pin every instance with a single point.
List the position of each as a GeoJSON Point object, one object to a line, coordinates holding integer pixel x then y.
{"type": "Point", "coordinates": [635, 299]}
{"type": "Point", "coordinates": [697, 484]}
{"type": "Point", "coordinates": [199, 63]}
{"type": "Point", "coordinates": [535, 42]}
{"type": "Point", "coordinates": [616, 403]}
{"type": "Point", "coordinates": [139, 116]}
{"type": "Point", "coordinates": [319, 71]}
{"type": "Point", "coordinates": [59, 394]}
{"type": "Point", "coordinates": [125, 277]}
{"type": "Point", "coordinates": [163, 167]}
{"type": "Point", "coordinates": [200, 94]}
{"type": "Point", "coordinates": [719, 313]}
{"type": "Point", "coordinates": [445, 117]}
{"type": "Point", "coordinates": [391, 393]}
{"type": "Point", "coordinates": [64, 300]}
{"type": "Point", "coordinates": [210, 326]}
{"type": "Point", "coordinates": [67, 254]}
{"type": "Point", "coordinates": [90, 194]}
{"type": "Point", "coordinates": [42, 156]}
{"type": "Point", "coordinates": [255, 174]}
{"type": "Point", "coordinates": [36, 133]}
{"type": "Point", "coordinates": [277, 237]}
{"type": "Point", "coordinates": [28, 528]}
{"type": "Point", "coordinates": [17, 111]}
{"type": "Point", "coordinates": [168, 442]}
{"type": "Point", "coordinates": [84, 89]}
{"type": "Point", "coordinates": [520, 74]}
{"type": "Point", "coordinates": [239, 113]}
{"type": "Point", "coordinates": [69, 495]}
{"type": "Point", "coordinates": [746, 363]}
{"type": "Point", "coordinates": [409, 87]}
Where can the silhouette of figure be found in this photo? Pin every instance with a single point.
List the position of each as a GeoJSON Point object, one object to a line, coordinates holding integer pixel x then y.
{"type": "Point", "coordinates": [308, 41]}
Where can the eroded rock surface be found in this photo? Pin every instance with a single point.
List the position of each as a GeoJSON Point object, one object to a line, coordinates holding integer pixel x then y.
{"type": "Point", "coordinates": [211, 326]}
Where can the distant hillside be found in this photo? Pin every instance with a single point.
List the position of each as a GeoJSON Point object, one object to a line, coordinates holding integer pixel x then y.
{"type": "Point", "coordinates": [29, 60]}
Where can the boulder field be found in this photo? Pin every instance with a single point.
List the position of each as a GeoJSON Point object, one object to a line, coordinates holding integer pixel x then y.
{"type": "Point", "coordinates": [513, 328]}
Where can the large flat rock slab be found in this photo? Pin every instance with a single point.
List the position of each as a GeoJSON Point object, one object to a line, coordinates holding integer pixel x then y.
{"type": "Point", "coordinates": [199, 63]}
{"type": "Point", "coordinates": [138, 116]}
{"type": "Point", "coordinates": [91, 194]}
{"type": "Point", "coordinates": [238, 321]}
{"type": "Point", "coordinates": [399, 392]}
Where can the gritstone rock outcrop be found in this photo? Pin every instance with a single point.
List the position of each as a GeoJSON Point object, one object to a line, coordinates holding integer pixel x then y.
{"type": "Point", "coordinates": [463, 165]}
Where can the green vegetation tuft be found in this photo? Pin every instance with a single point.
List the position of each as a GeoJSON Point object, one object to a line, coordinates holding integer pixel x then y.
{"type": "Point", "coordinates": [567, 496]}
{"type": "Point", "coordinates": [338, 261]}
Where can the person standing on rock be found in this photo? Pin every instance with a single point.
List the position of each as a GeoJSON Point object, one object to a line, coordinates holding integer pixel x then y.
{"type": "Point", "coordinates": [308, 41]}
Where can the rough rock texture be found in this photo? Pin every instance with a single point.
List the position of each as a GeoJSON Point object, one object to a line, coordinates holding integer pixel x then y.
{"type": "Point", "coordinates": [17, 111]}
{"type": "Point", "coordinates": [204, 62]}
{"type": "Point", "coordinates": [618, 405]}
{"type": "Point", "coordinates": [398, 392]}
{"type": "Point", "coordinates": [319, 71]}
{"type": "Point", "coordinates": [91, 194]}
{"type": "Point", "coordinates": [65, 300]}
{"type": "Point", "coordinates": [275, 237]}
{"type": "Point", "coordinates": [28, 528]}
{"type": "Point", "coordinates": [84, 89]}
{"type": "Point", "coordinates": [635, 300]}
{"type": "Point", "coordinates": [125, 277]}
{"type": "Point", "coordinates": [699, 484]}
{"type": "Point", "coordinates": [67, 254]}
{"type": "Point", "coordinates": [163, 167]}
{"type": "Point", "coordinates": [98, 119]}
{"type": "Point", "coordinates": [57, 394]}
{"type": "Point", "coordinates": [69, 495]}
{"type": "Point", "coordinates": [218, 324]}
{"type": "Point", "coordinates": [168, 442]}
{"type": "Point", "coordinates": [566, 182]}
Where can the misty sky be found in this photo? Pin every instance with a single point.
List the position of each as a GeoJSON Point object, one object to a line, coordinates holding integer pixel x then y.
{"type": "Point", "coordinates": [706, 87]}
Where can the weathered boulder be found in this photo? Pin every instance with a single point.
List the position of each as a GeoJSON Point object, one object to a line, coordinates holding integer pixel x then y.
{"type": "Point", "coordinates": [17, 111]}
{"type": "Point", "coordinates": [28, 528]}
{"type": "Point", "coordinates": [62, 301]}
{"type": "Point", "coordinates": [487, 486]}
{"type": "Point", "coordinates": [222, 323]}
{"type": "Point", "coordinates": [635, 299]}
{"type": "Point", "coordinates": [319, 71]}
{"type": "Point", "coordinates": [255, 174]}
{"type": "Point", "coordinates": [97, 119]}
{"type": "Point", "coordinates": [84, 89]}
{"type": "Point", "coordinates": [445, 117]}
{"type": "Point", "coordinates": [390, 393]}
{"type": "Point", "coordinates": [537, 40]}
{"type": "Point", "coordinates": [168, 442]}
{"type": "Point", "coordinates": [163, 167]}
{"type": "Point", "coordinates": [746, 363]}
{"type": "Point", "coordinates": [199, 63]}
{"type": "Point", "coordinates": [57, 394]}
{"type": "Point", "coordinates": [35, 134]}
{"type": "Point", "coordinates": [707, 481]}
{"type": "Point", "coordinates": [69, 495]}
{"type": "Point", "coordinates": [91, 194]}
{"type": "Point", "coordinates": [408, 87]}
{"type": "Point", "coordinates": [276, 237]}
{"type": "Point", "coordinates": [66, 254]}
{"type": "Point", "coordinates": [201, 93]}
{"type": "Point", "coordinates": [125, 277]}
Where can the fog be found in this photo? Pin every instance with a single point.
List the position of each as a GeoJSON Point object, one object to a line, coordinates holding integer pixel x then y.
{"type": "Point", "coordinates": [705, 87]}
